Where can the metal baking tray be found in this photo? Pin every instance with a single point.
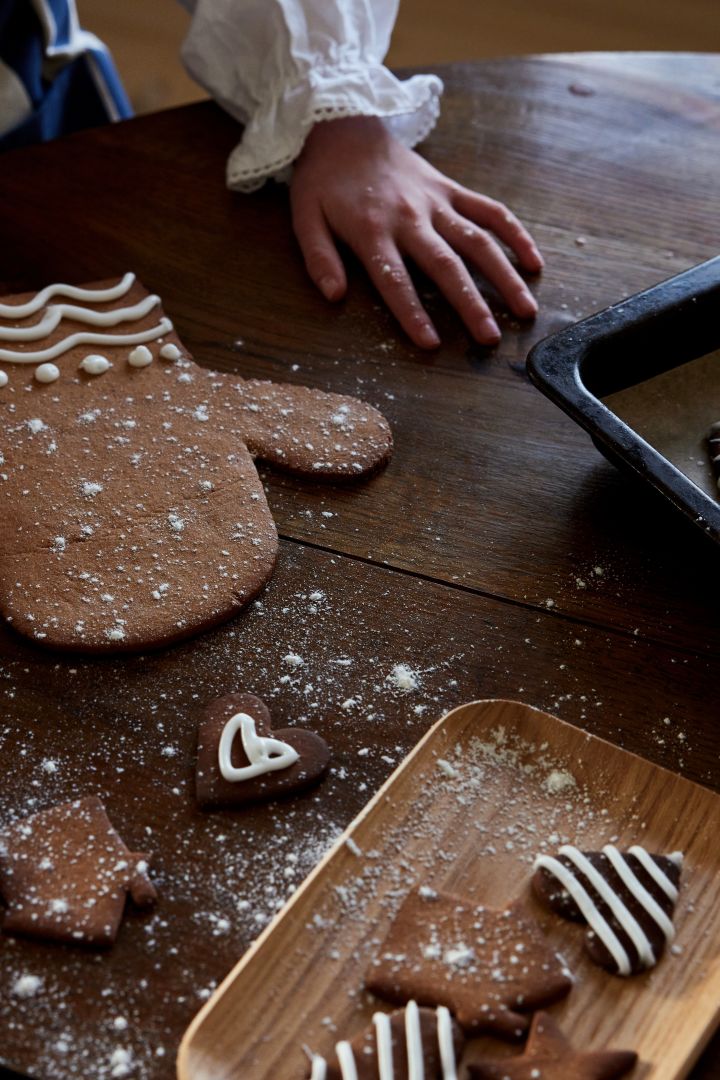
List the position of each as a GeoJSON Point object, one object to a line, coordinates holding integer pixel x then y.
{"type": "Point", "coordinates": [643, 378]}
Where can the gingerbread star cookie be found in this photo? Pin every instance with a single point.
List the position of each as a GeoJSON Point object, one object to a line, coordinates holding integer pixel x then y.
{"type": "Point", "coordinates": [132, 511]}
{"type": "Point", "coordinates": [627, 899]}
{"type": "Point", "coordinates": [548, 1055]}
{"type": "Point", "coordinates": [488, 966]}
{"type": "Point", "coordinates": [402, 1045]}
{"type": "Point", "coordinates": [65, 874]}
{"type": "Point", "coordinates": [241, 760]}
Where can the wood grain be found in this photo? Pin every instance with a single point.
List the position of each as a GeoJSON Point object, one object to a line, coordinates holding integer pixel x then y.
{"type": "Point", "coordinates": [474, 834]}
{"type": "Point", "coordinates": [544, 509]}
{"type": "Point", "coordinates": [499, 556]}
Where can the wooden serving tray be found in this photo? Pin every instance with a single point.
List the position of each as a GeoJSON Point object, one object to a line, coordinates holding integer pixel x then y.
{"type": "Point", "coordinates": [490, 785]}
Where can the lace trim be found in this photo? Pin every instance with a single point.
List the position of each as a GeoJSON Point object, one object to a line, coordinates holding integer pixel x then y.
{"type": "Point", "coordinates": [250, 178]}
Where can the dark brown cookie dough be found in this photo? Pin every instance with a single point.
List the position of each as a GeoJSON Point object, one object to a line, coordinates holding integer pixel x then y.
{"type": "Point", "coordinates": [488, 966]}
{"type": "Point", "coordinates": [213, 790]}
{"type": "Point", "coordinates": [432, 1032]}
{"type": "Point", "coordinates": [549, 1055]}
{"type": "Point", "coordinates": [627, 898]}
{"type": "Point", "coordinates": [65, 874]}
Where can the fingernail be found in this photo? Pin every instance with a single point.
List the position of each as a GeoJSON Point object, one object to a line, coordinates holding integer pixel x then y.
{"type": "Point", "coordinates": [328, 286]}
{"type": "Point", "coordinates": [489, 331]}
{"type": "Point", "coordinates": [427, 337]}
{"type": "Point", "coordinates": [527, 304]}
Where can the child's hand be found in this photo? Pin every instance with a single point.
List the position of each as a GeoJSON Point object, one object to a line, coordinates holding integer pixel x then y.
{"type": "Point", "coordinates": [353, 180]}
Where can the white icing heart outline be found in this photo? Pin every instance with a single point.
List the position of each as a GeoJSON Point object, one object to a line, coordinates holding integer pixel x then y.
{"type": "Point", "coordinates": [258, 749]}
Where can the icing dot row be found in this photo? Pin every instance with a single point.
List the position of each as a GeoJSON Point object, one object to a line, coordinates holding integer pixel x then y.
{"type": "Point", "coordinates": [96, 364]}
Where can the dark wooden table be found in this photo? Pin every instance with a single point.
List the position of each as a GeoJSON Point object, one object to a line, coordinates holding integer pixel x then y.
{"type": "Point", "coordinates": [498, 555]}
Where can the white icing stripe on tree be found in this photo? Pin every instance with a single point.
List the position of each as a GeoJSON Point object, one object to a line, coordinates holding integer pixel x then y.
{"type": "Point", "coordinates": [588, 908]}
{"type": "Point", "coordinates": [656, 873]}
{"type": "Point", "coordinates": [413, 1042]}
{"type": "Point", "coordinates": [446, 1043]}
{"type": "Point", "coordinates": [638, 890]}
{"type": "Point", "coordinates": [73, 292]}
{"type": "Point", "coordinates": [57, 312]}
{"type": "Point", "coordinates": [383, 1041]}
{"type": "Point", "coordinates": [84, 337]}
{"type": "Point", "coordinates": [624, 916]}
{"type": "Point", "coordinates": [384, 1048]}
{"type": "Point", "coordinates": [319, 1068]}
{"type": "Point", "coordinates": [346, 1060]}
{"type": "Point", "coordinates": [264, 754]}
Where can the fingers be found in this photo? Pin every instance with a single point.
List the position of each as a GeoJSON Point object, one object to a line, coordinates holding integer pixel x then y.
{"type": "Point", "coordinates": [493, 215]}
{"type": "Point", "coordinates": [438, 260]}
{"type": "Point", "coordinates": [323, 263]}
{"type": "Point", "coordinates": [389, 275]}
{"type": "Point", "coordinates": [475, 245]}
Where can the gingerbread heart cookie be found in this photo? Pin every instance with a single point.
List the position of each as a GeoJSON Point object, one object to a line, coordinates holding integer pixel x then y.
{"type": "Point", "coordinates": [65, 874]}
{"type": "Point", "coordinates": [627, 899]}
{"type": "Point", "coordinates": [403, 1045]}
{"type": "Point", "coordinates": [241, 760]}
{"type": "Point", "coordinates": [488, 966]}
{"type": "Point", "coordinates": [550, 1056]}
{"type": "Point", "coordinates": [133, 514]}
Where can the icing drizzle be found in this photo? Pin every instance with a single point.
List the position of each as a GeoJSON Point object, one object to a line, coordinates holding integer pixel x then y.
{"type": "Point", "coordinates": [582, 895]}
{"type": "Point", "coordinates": [73, 292]}
{"type": "Point", "coordinates": [264, 754]}
{"type": "Point", "coordinates": [86, 337]}
{"type": "Point", "coordinates": [383, 1042]}
{"type": "Point", "coordinates": [57, 312]}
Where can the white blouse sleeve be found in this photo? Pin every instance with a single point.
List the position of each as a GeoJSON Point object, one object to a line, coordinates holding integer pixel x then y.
{"type": "Point", "coordinates": [280, 66]}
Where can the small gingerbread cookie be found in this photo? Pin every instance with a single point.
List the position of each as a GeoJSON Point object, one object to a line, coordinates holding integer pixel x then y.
{"type": "Point", "coordinates": [65, 874]}
{"type": "Point", "coordinates": [487, 966]}
{"type": "Point", "coordinates": [241, 760]}
{"type": "Point", "coordinates": [627, 899]}
{"type": "Point", "coordinates": [549, 1055]}
{"type": "Point", "coordinates": [402, 1045]}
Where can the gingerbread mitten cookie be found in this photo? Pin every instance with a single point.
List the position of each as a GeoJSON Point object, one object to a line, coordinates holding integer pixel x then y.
{"type": "Point", "coordinates": [626, 898]}
{"type": "Point", "coordinates": [549, 1055]}
{"type": "Point", "coordinates": [65, 874]}
{"type": "Point", "coordinates": [133, 514]}
{"type": "Point", "coordinates": [241, 760]}
{"type": "Point", "coordinates": [487, 966]}
{"type": "Point", "coordinates": [409, 1043]}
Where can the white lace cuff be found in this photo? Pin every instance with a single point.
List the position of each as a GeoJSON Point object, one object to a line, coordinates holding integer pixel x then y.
{"type": "Point", "coordinates": [276, 131]}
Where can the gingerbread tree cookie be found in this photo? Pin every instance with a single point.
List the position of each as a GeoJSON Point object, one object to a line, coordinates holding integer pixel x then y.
{"type": "Point", "coordinates": [65, 874]}
{"type": "Point", "coordinates": [549, 1055]}
{"type": "Point", "coordinates": [488, 966]}
{"type": "Point", "coordinates": [627, 899]}
{"type": "Point", "coordinates": [241, 760]}
{"type": "Point", "coordinates": [402, 1045]}
{"type": "Point", "coordinates": [133, 514]}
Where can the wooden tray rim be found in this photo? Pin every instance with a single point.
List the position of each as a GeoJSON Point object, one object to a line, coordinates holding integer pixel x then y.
{"type": "Point", "coordinates": [184, 1050]}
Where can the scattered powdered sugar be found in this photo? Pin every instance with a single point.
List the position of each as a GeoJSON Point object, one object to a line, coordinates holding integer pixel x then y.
{"type": "Point", "coordinates": [558, 781]}
{"type": "Point", "coordinates": [446, 768]}
{"type": "Point", "coordinates": [27, 986]}
{"type": "Point", "coordinates": [304, 651]}
{"type": "Point", "coordinates": [404, 678]}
